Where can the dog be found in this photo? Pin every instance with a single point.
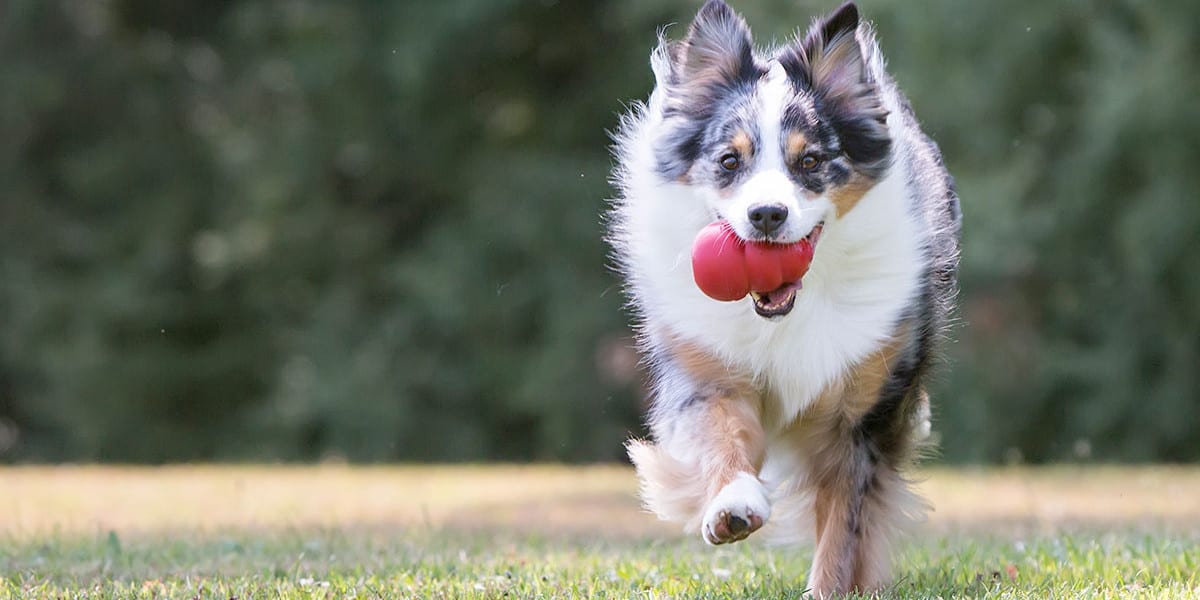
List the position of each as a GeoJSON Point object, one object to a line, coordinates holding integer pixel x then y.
{"type": "Point", "coordinates": [804, 406]}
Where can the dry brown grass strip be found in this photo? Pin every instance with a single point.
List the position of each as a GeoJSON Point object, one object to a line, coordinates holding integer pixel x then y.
{"type": "Point", "coordinates": [591, 500]}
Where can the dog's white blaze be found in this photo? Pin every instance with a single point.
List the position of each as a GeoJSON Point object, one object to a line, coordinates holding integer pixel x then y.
{"type": "Point", "coordinates": [769, 183]}
{"type": "Point", "coordinates": [865, 272]}
{"type": "Point", "coordinates": [774, 90]}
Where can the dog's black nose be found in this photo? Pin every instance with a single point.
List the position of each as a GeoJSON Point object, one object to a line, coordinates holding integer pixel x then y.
{"type": "Point", "coordinates": [767, 218]}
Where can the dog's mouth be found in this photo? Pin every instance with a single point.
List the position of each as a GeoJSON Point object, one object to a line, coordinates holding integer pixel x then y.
{"type": "Point", "coordinates": [776, 303]}
{"type": "Point", "coordinates": [781, 301]}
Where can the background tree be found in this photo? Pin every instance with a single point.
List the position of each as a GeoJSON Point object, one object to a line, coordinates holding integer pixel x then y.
{"type": "Point", "coordinates": [292, 230]}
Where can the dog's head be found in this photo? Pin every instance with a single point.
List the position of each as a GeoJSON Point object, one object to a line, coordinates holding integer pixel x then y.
{"type": "Point", "coordinates": [778, 144]}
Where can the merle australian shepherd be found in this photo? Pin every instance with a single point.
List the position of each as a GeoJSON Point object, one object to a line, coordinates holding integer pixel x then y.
{"type": "Point", "coordinates": [802, 407]}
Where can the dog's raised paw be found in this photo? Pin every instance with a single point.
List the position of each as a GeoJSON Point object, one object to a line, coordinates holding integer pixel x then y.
{"type": "Point", "coordinates": [738, 510]}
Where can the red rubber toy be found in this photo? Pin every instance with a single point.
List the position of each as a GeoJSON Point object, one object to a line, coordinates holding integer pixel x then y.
{"type": "Point", "coordinates": [727, 268]}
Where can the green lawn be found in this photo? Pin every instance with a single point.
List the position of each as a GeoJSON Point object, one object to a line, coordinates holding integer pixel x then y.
{"type": "Point", "coordinates": [556, 532]}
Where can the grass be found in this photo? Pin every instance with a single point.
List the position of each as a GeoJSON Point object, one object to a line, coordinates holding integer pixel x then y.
{"type": "Point", "coordinates": [558, 532]}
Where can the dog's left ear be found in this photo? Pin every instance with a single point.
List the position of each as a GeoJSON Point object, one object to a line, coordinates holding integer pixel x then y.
{"type": "Point", "coordinates": [829, 63]}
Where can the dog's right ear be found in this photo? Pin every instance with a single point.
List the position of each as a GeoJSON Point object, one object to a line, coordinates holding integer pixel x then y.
{"type": "Point", "coordinates": [718, 48]}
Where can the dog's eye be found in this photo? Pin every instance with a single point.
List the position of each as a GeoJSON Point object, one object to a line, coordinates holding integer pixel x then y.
{"type": "Point", "coordinates": [730, 162]}
{"type": "Point", "coordinates": [809, 162]}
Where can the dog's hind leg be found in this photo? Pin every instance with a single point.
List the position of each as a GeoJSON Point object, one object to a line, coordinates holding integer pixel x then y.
{"type": "Point", "coordinates": [857, 450]}
{"type": "Point", "coordinates": [859, 504]}
{"type": "Point", "coordinates": [703, 468]}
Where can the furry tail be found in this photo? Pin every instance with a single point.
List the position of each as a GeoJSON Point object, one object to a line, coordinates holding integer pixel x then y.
{"type": "Point", "coordinates": [668, 487]}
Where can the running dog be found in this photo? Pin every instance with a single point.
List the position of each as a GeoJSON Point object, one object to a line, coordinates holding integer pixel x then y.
{"type": "Point", "coordinates": [803, 406]}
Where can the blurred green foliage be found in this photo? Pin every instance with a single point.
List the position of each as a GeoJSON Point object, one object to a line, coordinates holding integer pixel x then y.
{"type": "Point", "coordinates": [289, 230]}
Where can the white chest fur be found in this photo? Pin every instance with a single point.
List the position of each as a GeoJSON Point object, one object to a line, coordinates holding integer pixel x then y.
{"type": "Point", "coordinates": [865, 272]}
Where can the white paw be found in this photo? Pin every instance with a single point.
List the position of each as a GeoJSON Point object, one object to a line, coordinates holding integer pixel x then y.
{"type": "Point", "coordinates": [740, 508]}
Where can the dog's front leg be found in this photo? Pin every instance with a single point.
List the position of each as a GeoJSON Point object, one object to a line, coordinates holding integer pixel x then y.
{"type": "Point", "coordinates": [731, 434]}
{"type": "Point", "coordinates": [704, 468]}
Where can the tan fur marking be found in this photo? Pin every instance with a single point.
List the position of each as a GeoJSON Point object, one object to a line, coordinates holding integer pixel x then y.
{"type": "Point", "coordinates": [735, 441]}
{"type": "Point", "coordinates": [704, 367]}
{"type": "Point", "coordinates": [724, 426]}
{"type": "Point", "coordinates": [850, 558]}
{"type": "Point", "coordinates": [855, 561]}
{"type": "Point", "coordinates": [834, 560]}
{"type": "Point", "coordinates": [858, 390]}
{"type": "Point", "coordinates": [742, 144]}
{"type": "Point", "coordinates": [729, 426]}
{"type": "Point", "coordinates": [846, 197]}
{"type": "Point", "coordinates": [866, 381]}
{"type": "Point", "coordinates": [794, 146]}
